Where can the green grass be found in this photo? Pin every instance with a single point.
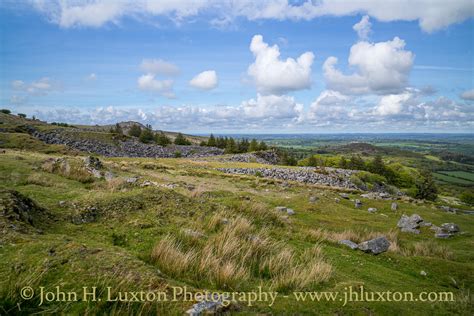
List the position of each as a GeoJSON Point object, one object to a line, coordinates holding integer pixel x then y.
{"type": "Point", "coordinates": [459, 174]}
{"type": "Point", "coordinates": [447, 178]}
{"type": "Point", "coordinates": [115, 250]}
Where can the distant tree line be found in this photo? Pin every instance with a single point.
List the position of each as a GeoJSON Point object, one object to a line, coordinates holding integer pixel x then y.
{"type": "Point", "coordinates": [421, 184]}
{"type": "Point", "coordinates": [232, 146]}
{"type": "Point", "coordinates": [147, 135]}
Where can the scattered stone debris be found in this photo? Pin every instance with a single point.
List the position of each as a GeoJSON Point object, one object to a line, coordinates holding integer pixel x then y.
{"type": "Point", "coordinates": [394, 206]}
{"type": "Point", "coordinates": [269, 157]}
{"type": "Point", "coordinates": [349, 244]}
{"type": "Point", "coordinates": [333, 177]}
{"type": "Point", "coordinates": [130, 147]}
{"type": "Point", "coordinates": [377, 196]}
{"type": "Point", "coordinates": [449, 209]}
{"type": "Point", "coordinates": [375, 246]}
{"type": "Point", "coordinates": [289, 211]}
{"type": "Point", "coordinates": [412, 223]}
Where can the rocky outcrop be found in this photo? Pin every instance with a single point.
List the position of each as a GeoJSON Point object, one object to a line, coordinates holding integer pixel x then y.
{"type": "Point", "coordinates": [269, 157]}
{"type": "Point", "coordinates": [410, 224]}
{"type": "Point", "coordinates": [331, 177]}
{"type": "Point", "coordinates": [375, 246]}
{"type": "Point", "coordinates": [124, 148]}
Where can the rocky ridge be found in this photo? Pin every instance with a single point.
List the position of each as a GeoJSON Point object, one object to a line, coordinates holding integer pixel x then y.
{"type": "Point", "coordinates": [127, 148]}
{"type": "Point", "coordinates": [331, 177]}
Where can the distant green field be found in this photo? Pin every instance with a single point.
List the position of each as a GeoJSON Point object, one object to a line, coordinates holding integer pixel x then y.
{"type": "Point", "coordinates": [455, 177]}
{"type": "Point", "coordinates": [460, 174]}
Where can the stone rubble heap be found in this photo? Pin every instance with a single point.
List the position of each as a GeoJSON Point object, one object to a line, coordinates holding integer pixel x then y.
{"type": "Point", "coordinates": [128, 148]}
{"type": "Point", "coordinates": [332, 177]}
{"type": "Point", "coordinates": [411, 224]}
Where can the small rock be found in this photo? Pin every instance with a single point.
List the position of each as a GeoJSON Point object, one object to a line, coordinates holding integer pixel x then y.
{"type": "Point", "coordinates": [349, 244]}
{"type": "Point", "coordinates": [394, 206]}
{"type": "Point", "coordinates": [290, 211]}
{"type": "Point", "coordinates": [132, 180]}
{"type": "Point", "coordinates": [372, 210]}
{"type": "Point", "coordinates": [375, 246]}
{"type": "Point", "coordinates": [280, 209]}
{"type": "Point", "coordinates": [313, 199]}
{"type": "Point", "coordinates": [443, 235]}
{"type": "Point", "coordinates": [337, 200]}
{"type": "Point", "coordinates": [208, 305]}
{"type": "Point", "coordinates": [450, 228]}
{"type": "Point", "coordinates": [108, 176]}
{"type": "Point", "coordinates": [344, 196]}
{"type": "Point", "coordinates": [423, 273]}
{"type": "Point", "coordinates": [358, 203]}
{"type": "Point", "coordinates": [62, 203]}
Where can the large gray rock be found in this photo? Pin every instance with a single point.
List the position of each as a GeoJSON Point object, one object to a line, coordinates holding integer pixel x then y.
{"type": "Point", "coordinates": [375, 246]}
{"type": "Point", "coordinates": [410, 224]}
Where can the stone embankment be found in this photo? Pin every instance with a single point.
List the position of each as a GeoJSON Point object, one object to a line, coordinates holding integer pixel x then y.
{"type": "Point", "coordinates": [328, 176]}
{"type": "Point", "coordinates": [127, 148]}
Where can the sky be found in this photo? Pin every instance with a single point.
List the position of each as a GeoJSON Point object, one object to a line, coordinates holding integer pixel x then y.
{"type": "Point", "coordinates": [242, 66]}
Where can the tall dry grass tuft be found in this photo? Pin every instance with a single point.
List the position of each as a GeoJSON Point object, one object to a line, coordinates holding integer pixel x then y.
{"type": "Point", "coordinates": [237, 252]}
{"type": "Point", "coordinates": [427, 249]}
{"type": "Point", "coordinates": [171, 258]}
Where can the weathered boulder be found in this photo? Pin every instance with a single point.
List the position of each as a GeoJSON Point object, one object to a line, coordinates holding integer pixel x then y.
{"type": "Point", "coordinates": [344, 196]}
{"type": "Point", "coordinates": [410, 224]}
{"type": "Point", "coordinates": [93, 162]}
{"type": "Point", "coordinates": [375, 246]}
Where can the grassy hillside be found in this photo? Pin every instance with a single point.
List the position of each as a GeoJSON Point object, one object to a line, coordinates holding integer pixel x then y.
{"type": "Point", "coordinates": [197, 227]}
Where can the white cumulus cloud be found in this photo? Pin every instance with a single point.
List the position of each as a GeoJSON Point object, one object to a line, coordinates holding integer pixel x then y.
{"type": "Point", "coordinates": [272, 107]}
{"type": "Point", "coordinates": [392, 104]}
{"type": "Point", "coordinates": [380, 68]}
{"type": "Point", "coordinates": [149, 83]}
{"type": "Point", "coordinates": [275, 76]}
{"type": "Point", "coordinates": [206, 80]}
{"type": "Point", "coordinates": [432, 15]}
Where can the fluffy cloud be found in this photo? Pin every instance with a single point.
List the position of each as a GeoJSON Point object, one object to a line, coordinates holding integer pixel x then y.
{"type": "Point", "coordinates": [272, 107]}
{"type": "Point", "coordinates": [409, 110]}
{"type": "Point", "coordinates": [159, 67]}
{"type": "Point", "coordinates": [206, 80]}
{"type": "Point", "coordinates": [432, 15]}
{"type": "Point", "coordinates": [468, 95]}
{"type": "Point", "coordinates": [380, 68]}
{"type": "Point", "coordinates": [275, 76]}
{"type": "Point", "coordinates": [363, 28]}
{"type": "Point", "coordinates": [39, 87]}
{"type": "Point", "coordinates": [149, 83]}
{"type": "Point", "coordinates": [392, 104]}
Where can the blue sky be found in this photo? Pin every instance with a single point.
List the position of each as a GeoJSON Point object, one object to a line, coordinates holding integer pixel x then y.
{"type": "Point", "coordinates": [58, 63]}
